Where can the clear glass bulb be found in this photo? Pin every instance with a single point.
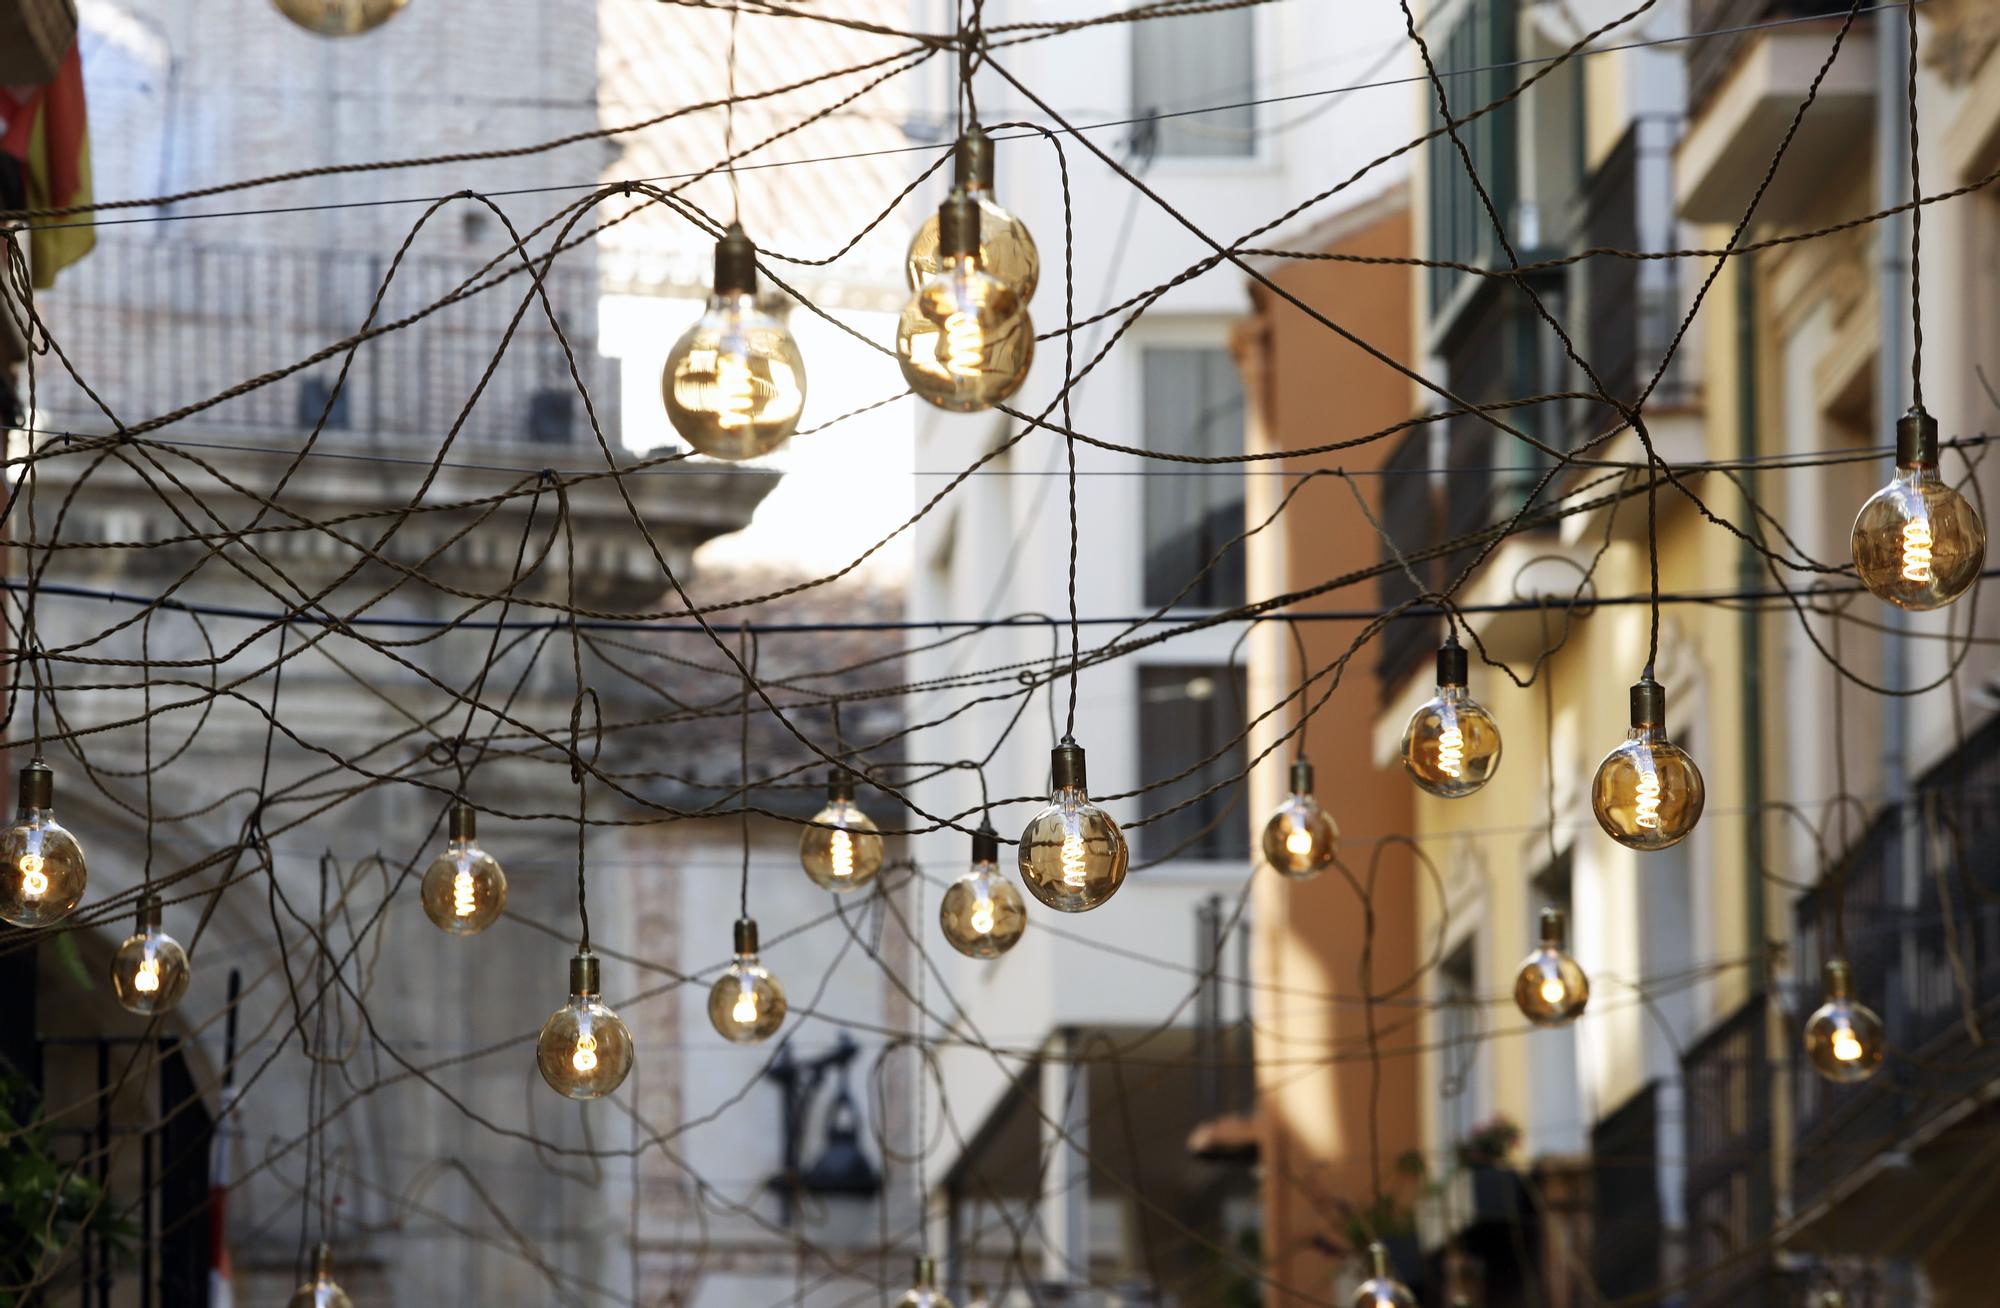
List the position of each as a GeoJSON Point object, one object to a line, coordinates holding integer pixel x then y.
{"type": "Point", "coordinates": [1551, 989]}
{"type": "Point", "coordinates": [965, 340]}
{"type": "Point", "coordinates": [842, 850]}
{"type": "Point", "coordinates": [923, 1291]}
{"type": "Point", "coordinates": [735, 383]}
{"type": "Point", "coordinates": [982, 914]}
{"type": "Point", "coordinates": [1006, 248]}
{"type": "Point", "coordinates": [1844, 1039]}
{"type": "Point", "coordinates": [1917, 542]}
{"type": "Point", "coordinates": [746, 1004]}
{"type": "Point", "coordinates": [340, 17]}
{"type": "Point", "coordinates": [1382, 1290]}
{"type": "Point", "coordinates": [1648, 793]}
{"type": "Point", "coordinates": [463, 890]}
{"type": "Point", "coordinates": [1072, 855]}
{"type": "Point", "coordinates": [1452, 744]}
{"type": "Point", "coordinates": [149, 972]}
{"type": "Point", "coordinates": [585, 1050]}
{"type": "Point", "coordinates": [322, 1291]}
{"type": "Point", "coordinates": [1300, 840]}
{"type": "Point", "coordinates": [42, 875]}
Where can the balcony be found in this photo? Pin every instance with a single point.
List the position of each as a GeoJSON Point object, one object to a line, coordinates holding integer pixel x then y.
{"type": "Point", "coordinates": [1744, 87]}
{"type": "Point", "coordinates": [1922, 913]}
{"type": "Point", "coordinates": [1728, 1080]}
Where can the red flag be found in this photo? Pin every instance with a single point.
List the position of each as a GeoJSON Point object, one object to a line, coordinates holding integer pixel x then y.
{"type": "Point", "coordinates": [48, 131]}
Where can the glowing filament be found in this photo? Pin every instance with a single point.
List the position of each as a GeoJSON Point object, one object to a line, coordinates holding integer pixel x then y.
{"type": "Point", "coordinates": [464, 899]}
{"type": "Point", "coordinates": [1451, 751]}
{"type": "Point", "coordinates": [585, 1057]}
{"type": "Point", "coordinates": [148, 978]}
{"type": "Point", "coordinates": [34, 881]}
{"type": "Point", "coordinates": [1846, 1046]}
{"type": "Point", "coordinates": [1299, 843]}
{"type": "Point", "coordinates": [1074, 873]}
{"type": "Point", "coordinates": [842, 854]}
{"type": "Point", "coordinates": [1646, 799]}
{"type": "Point", "coordinates": [746, 1007]}
{"type": "Point", "coordinates": [736, 392]}
{"type": "Point", "coordinates": [982, 916]}
{"type": "Point", "coordinates": [1553, 991]}
{"type": "Point", "coordinates": [964, 344]}
{"type": "Point", "coordinates": [1917, 551]}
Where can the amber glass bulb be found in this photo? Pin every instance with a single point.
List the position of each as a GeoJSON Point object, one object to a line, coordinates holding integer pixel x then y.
{"type": "Point", "coordinates": [923, 1291]}
{"type": "Point", "coordinates": [1300, 840]}
{"type": "Point", "coordinates": [463, 889]}
{"type": "Point", "coordinates": [1648, 793]}
{"type": "Point", "coordinates": [1006, 248]}
{"type": "Point", "coordinates": [1844, 1039]}
{"type": "Point", "coordinates": [842, 850]}
{"type": "Point", "coordinates": [41, 866]}
{"type": "Point", "coordinates": [1917, 542]}
{"type": "Point", "coordinates": [1072, 855]}
{"type": "Point", "coordinates": [735, 383]}
{"type": "Point", "coordinates": [1452, 745]}
{"type": "Point", "coordinates": [1551, 989]}
{"type": "Point", "coordinates": [1382, 1290]}
{"type": "Point", "coordinates": [149, 973]}
{"type": "Point", "coordinates": [585, 1049]}
{"type": "Point", "coordinates": [982, 915]}
{"type": "Point", "coordinates": [746, 1004]}
{"type": "Point", "coordinates": [965, 340]}
{"type": "Point", "coordinates": [340, 17]}
{"type": "Point", "coordinates": [322, 1291]}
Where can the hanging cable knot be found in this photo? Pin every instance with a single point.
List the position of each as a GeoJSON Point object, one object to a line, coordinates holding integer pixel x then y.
{"type": "Point", "coordinates": [579, 767]}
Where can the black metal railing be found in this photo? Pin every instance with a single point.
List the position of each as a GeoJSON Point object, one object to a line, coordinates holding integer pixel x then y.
{"type": "Point", "coordinates": [1729, 1185]}
{"type": "Point", "coordinates": [155, 326]}
{"type": "Point", "coordinates": [1625, 1188]}
{"type": "Point", "coordinates": [1631, 306]}
{"type": "Point", "coordinates": [1412, 515]}
{"type": "Point", "coordinates": [1711, 57]}
{"type": "Point", "coordinates": [1919, 900]}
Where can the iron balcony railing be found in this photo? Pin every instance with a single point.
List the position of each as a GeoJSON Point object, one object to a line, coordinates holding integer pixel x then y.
{"type": "Point", "coordinates": [153, 326]}
{"type": "Point", "coordinates": [1710, 57]}
{"type": "Point", "coordinates": [1728, 1082]}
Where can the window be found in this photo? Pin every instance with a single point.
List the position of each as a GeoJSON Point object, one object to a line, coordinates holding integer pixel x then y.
{"type": "Point", "coordinates": [1185, 715]}
{"type": "Point", "coordinates": [1195, 61]}
{"type": "Point", "coordinates": [1193, 405]}
{"type": "Point", "coordinates": [1481, 37]}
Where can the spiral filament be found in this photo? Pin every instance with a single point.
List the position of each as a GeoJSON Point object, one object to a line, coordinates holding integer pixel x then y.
{"type": "Point", "coordinates": [746, 1006]}
{"type": "Point", "coordinates": [1917, 551]}
{"type": "Point", "coordinates": [1299, 843]}
{"type": "Point", "coordinates": [147, 979]}
{"type": "Point", "coordinates": [1074, 873]}
{"type": "Point", "coordinates": [1451, 751]}
{"type": "Point", "coordinates": [982, 916]}
{"type": "Point", "coordinates": [464, 899]}
{"type": "Point", "coordinates": [736, 392]}
{"type": "Point", "coordinates": [964, 344]}
{"type": "Point", "coordinates": [34, 881]}
{"type": "Point", "coordinates": [1646, 799]}
{"type": "Point", "coordinates": [1846, 1045]}
{"type": "Point", "coordinates": [585, 1057]}
{"type": "Point", "coordinates": [842, 854]}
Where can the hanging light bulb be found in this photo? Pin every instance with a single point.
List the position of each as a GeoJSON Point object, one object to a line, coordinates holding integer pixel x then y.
{"type": "Point", "coordinates": [463, 889]}
{"type": "Point", "coordinates": [1551, 989]}
{"type": "Point", "coordinates": [746, 1004]}
{"type": "Point", "coordinates": [585, 1049]}
{"type": "Point", "coordinates": [322, 1291]}
{"type": "Point", "coordinates": [1072, 854]}
{"type": "Point", "coordinates": [979, 1299]}
{"type": "Point", "coordinates": [1006, 249]}
{"type": "Point", "coordinates": [842, 850]}
{"type": "Point", "coordinates": [923, 1291]}
{"type": "Point", "coordinates": [149, 973]}
{"type": "Point", "coordinates": [340, 17]}
{"type": "Point", "coordinates": [1844, 1039]}
{"type": "Point", "coordinates": [41, 865]}
{"type": "Point", "coordinates": [1648, 793]}
{"type": "Point", "coordinates": [982, 914]}
{"type": "Point", "coordinates": [1300, 839]}
{"type": "Point", "coordinates": [1917, 543]}
{"type": "Point", "coordinates": [965, 340]}
{"type": "Point", "coordinates": [1452, 745]}
{"type": "Point", "coordinates": [1382, 1290]}
{"type": "Point", "coordinates": [735, 382]}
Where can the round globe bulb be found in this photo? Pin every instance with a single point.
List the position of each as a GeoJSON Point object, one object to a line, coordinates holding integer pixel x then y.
{"type": "Point", "coordinates": [1648, 793]}
{"type": "Point", "coordinates": [1006, 249]}
{"type": "Point", "coordinates": [965, 341]}
{"type": "Point", "coordinates": [1551, 990]}
{"type": "Point", "coordinates": [923, 1291]}
{"type": "Point", "coordinates": [322, 1291]}
{"type": "Point", "coordinates": [982, 915]}
{"type": "Point", "coordinates": [42, 874]}
{"type": "Point", "coordinates": [1844, 1039]}
{"type": "Point", "coordinates": [463, 890]}
{"type": "Point", "coordinates": [149, 972]}
{"type": "Point", "coordinates": [1451, 746]}
{"type": "Point", "coordinates": [1072, 855]}
{"type": "Point", "coordinates": [1300, 840]}
{"type": "Point", "coordinates": [841, 850]}
{"type": "Point", "coordinates": [746, 1004]}
{"type": "Point", "coordinates": [585, 1049]}
{"type": "Point", "coordinates": [735, 383]}
{"type": "Point", "coordinates": [1918, 543]}
{"type": "Point", "coordinates": [340, 17]}
{"type": "Point", "coordinates": [1382, 1290]}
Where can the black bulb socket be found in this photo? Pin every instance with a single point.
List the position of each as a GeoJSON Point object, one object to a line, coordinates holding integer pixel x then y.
{"type": "Point", "coordinates": [924, 1273]}
{"type": "Point", "coordinates": [1838, 978]}
{"type": "Point", "coordinates": [1454, 664]}
{"type": "Point", "coordinates": [464, 821]}
{"type": "Point", "coordinates": [1553, 926]}
{"type": "Point", "coordinates": [972, 162]}
{"type": "Point", "coordinates": [584, 977]}
{"type": "Point", "coordinates": [1917, 439]}
{"type": "Point", "coordinates": [38, 786]}
{"type": "Point", "coordinates": [1066, 766]}
{"type": "Point", "coordinates": [746, 935]}
{"type": "Point", "coordinates": [149, 910]}
{"type": "Point", "coordinates": [1302, 777]}
{"type": "Point", "coordinates": [735, 263]}
{"type": "Point", "coordinates": [986, 844]}
{"type": "Point", "coordinates": [840, 786]}
{"type": "Point", "coordinates": [958, 225]}
{"type": "Point", "coordinates": [1649, 703]}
